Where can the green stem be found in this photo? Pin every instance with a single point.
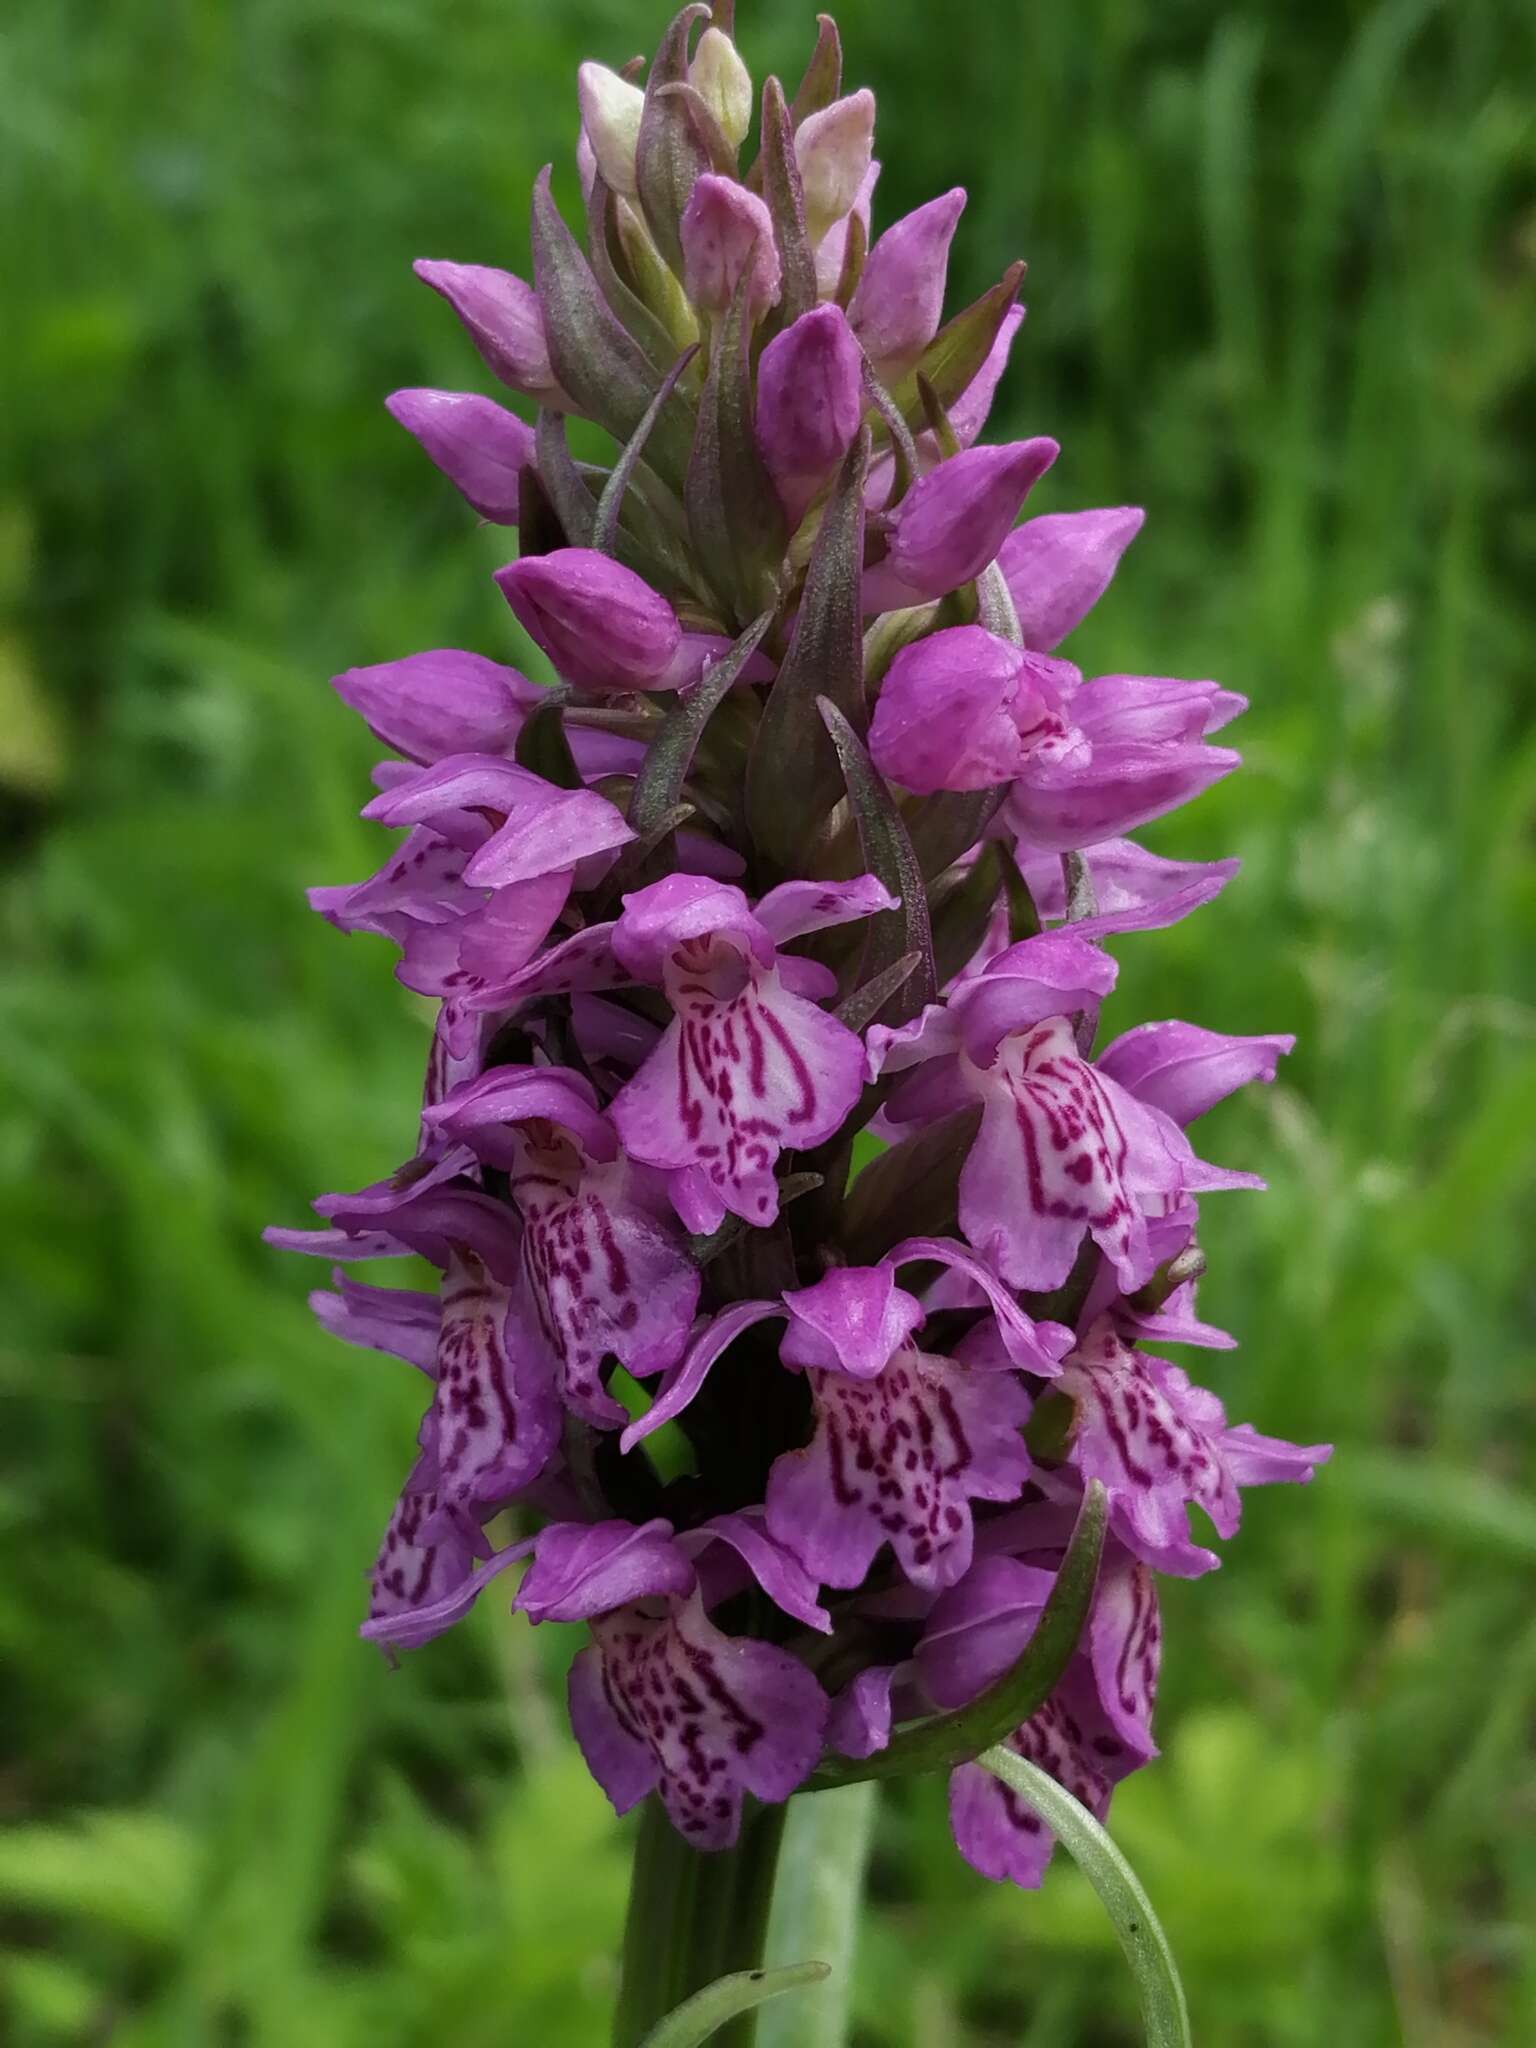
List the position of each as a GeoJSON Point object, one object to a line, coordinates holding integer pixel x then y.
{"type": "Point", "coordinates": [692, 1918]}
{"type": "Point", "coordinates": [816, 1912]}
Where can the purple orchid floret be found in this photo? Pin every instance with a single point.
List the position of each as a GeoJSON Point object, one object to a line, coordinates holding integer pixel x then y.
{"type": "Point", "coordinates": [475, 442]}
{"type": "Point", "coordinates": [765, 1139]}
{"type": "Point", "coordinates": [810, 404]}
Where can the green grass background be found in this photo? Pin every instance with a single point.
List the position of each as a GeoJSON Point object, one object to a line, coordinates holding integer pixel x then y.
{"type": "Point", "coordinates": [1282, 292]}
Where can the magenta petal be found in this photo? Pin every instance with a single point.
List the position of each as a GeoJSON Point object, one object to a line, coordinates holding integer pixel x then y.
{"type": "Point", "coordinates": [978, 1629]}
{"type": "Point", "coordinates": [548, 835]}
{"type": "Point", "coordinates": [757, 1557]}
{"type": "Point", "coordinates": [810, 401]}
{"type": "Point", "coordinates": [1160, 1444]}
{"type": "Point", "coordinates": [684, 1380]}
{"type": "Point", "coordinates": [725, 231]}
{"type": "Point", "coordinates": [441, 702]}
{"type": "Point", "coordinates": [423, 1585]}
{"type": "Point", "coordinates": [1125, 1636]}
{"type": "Point", "coordinates": [720, 1715]}
{"type": "Point", "coordinates": [1033, 1347]}
{"type": "Point", "coordinates": [667, 914]}
{"type": "Point", "coordinates": [898, 1459]}
{"type": "Point", "coordinates": [1184, 1070]}
{"type": "Point", "coordinates": [745, 1069]}
{"type": "Point", "coordinates": [621, 1762]}
{"type": "Point", "coordinates": [505, 321]}
{"type": "Point", "coordinates": [1053, 1161]}
{"type": "Point", "coordinates": [582, 963]}
{"type": "Point", "coordinates": [477, 1112]}
{"type": "Point", "coordinates": [485, 946]}
{"type": "Point", "coordinates": [946, 717]}
{"type": "Point", "coordinates": [1053, 975]}
{"type": "Point", "coordinates": [1122, 785]}
{"type": "Point", "coordinates": [1136, 890]}
{"type": "Point", "coordinates": [860, 1722]}
{"type": "Point", "coordinates": [602, 626]}
{"type": "Point", "coordinates": [952, 522]}
{"type": "Point", "coordinates": [794, 908]}
{"type": "Point", "coordinates": [850, 1321]}
{"type": "Point", "coordinates": [496, 1415]}
{"type": "Point", "coordinates": [401, 1321]}
{"type": "Point", "coordinates": [581, 1570]}
{"type": "Point", "coordinates": [968, 414]}
{"type": "Point", "coordinates": [900, 300]}
{"type": "Point", "coordinates": [476, 443]}
{"type": "Point", "coordinates": [1059, 566]}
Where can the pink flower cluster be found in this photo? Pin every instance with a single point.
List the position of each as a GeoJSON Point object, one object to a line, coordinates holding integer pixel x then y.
{"type": "Point", "coordinates": [798, 1251]}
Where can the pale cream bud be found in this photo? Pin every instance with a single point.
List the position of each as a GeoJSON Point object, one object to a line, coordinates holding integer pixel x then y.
{"type": "Point", "coordinates": [724, 84]}
{"type": "Point", "coordinates": [610, 114]}
{"type": "Point", "coordinates": [833, 151]}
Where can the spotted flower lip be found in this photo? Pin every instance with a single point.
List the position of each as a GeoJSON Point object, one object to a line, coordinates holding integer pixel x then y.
{"type": "Point", "coordinates": [662, 1700]}
{"type": "Point", "coordinates": [798, 1427]}
{"type": "Point", "coordinates": [602, 1267]}
{"type": "Point", "coordinates": [1063, 1149]}
{"type": "Point", "coordinates": [749, 1063]}
{"type": "Point", "coordinates": [1160, 1444]}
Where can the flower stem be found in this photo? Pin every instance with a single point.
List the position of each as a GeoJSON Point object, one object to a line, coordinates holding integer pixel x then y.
{"type": "Point", "coordinates": [692, 1918]}
{"type": "Point", "coordinates": [816, 1912]}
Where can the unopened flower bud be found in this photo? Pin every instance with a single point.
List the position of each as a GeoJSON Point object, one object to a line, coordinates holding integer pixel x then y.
{"type": "Point", "coordinates": [832, 249]}
{"type": "Point", "coordinates": [833, 149]}
{"type": "Point", "coordinates": [958, 710]}
{"type": "Point", "coordinates": [724, 84]}
{"type": "Point", "coordinates": [724, 230]}
{"type": "Point", "coordinates": [610, 114]}
{"type": "Point", "coordinates": [1059, 566]}
{"type": "Point", "coordinates": [503, 318]}
{"type": "Point", "coordinates": [602, 626]}
{"type": "Point", "coordinates": [952, 522]}
{"type": "Point", "coordinates": [810, 399]}
{"type": "Point", "coordinates": [475, 442]}
{"type": "Point", "coordinates": [900, 300]}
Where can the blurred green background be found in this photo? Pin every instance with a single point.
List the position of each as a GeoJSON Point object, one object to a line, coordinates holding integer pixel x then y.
{"type": "Point", "coordinates": [1283, 293]}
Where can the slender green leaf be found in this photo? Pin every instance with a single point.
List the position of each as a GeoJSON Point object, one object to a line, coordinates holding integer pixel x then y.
{"type": "Point", "coordinates": [1163, 2011]}
{"type": "Point", "coordinates": [948, 1740]}
{"type": "Point", "coordinates": [697, 2018]}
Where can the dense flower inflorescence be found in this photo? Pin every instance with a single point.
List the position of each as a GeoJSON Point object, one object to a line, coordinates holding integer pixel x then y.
{"type": "Point", "coordinates": [800, 1256]}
